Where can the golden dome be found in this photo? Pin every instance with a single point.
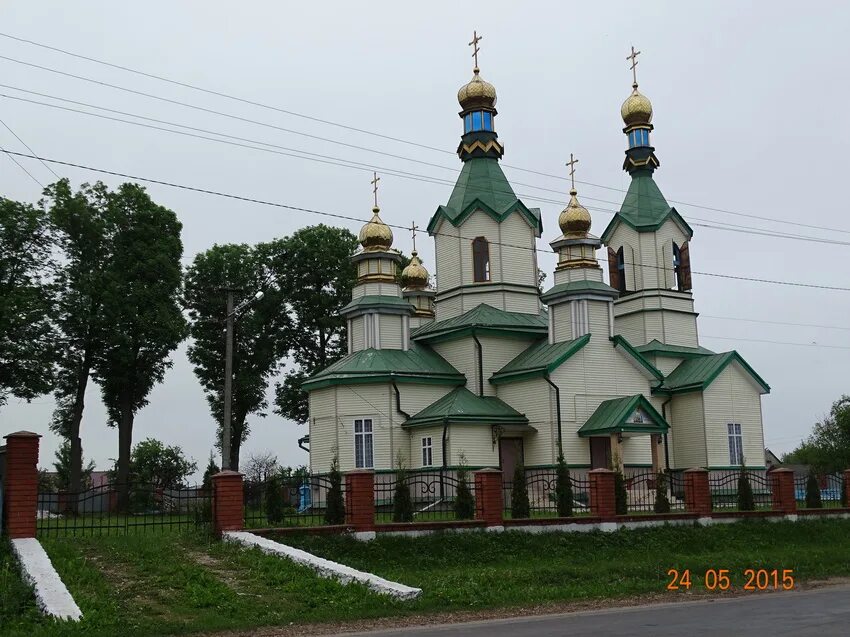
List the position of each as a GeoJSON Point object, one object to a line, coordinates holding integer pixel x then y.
{"type": "Point", "coordinates": [574, 219]}
{"type": "Point", "coordinates": [376, 235]}
{"type": "Point", "coordinates": [477, 93]}
{"type": "Point", "coordinates": [414, 276]}
{"type": "Point", "coordinates": [637, 109]}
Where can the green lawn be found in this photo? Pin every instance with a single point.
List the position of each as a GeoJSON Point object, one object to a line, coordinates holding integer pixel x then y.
{"type": "Point", "coordinates": [178, 583]}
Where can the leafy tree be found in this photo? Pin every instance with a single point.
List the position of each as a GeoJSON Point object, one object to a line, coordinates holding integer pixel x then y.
{"type": "Point", "coordinates": [828, 447]}
{"type": "Point", "coordinates": [335, 510]}
{"type": "Point", "coordinates": [261, 333]}
{"type": "Point", "coordinates": [813, 500]}
{"type": "Point", "coordinates": [62, 466]}
{"type": "Point", "coordinates": [209, 472]}
{"type": "Point", "coordinates": [746, 501]}
{"type": "Point", "coordinates": [155, 464]}
{"type": "Point", "coordinates": [520, 506]}
{"type": "Point", "coordinates": [141, 307]}
{"type": "Point", "coordinates": [274, 499]}
{"type": "Point", "coordinates": [84, 229]}
{"type": "Point", "coordinates": [317, 277]}
{"type": "Point", "coordinates": [563, 488]}
{"type": "Point", "coordinates": [464, 501]}
{"type": "Point", "coordinates": [27, 339]}
{"type": "Point", "coordinates": [621, 495]}
{"type": "Point", "coordinates": [662, 502]}
{"type": "Point", "coordinates": [402, 504]}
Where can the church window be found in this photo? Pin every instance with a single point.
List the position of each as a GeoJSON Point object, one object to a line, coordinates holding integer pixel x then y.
{"type": "Point", "coordinates": [467, 123]}
{"type": "Point", "coordinates": [736, 444]}
{"type": "Point", "coordinates": [621, 270]}
{"type": "Point", "coordinates": [476, 120]}
{"type": "Point", "coordinates": [480, 260]}
{"type": "Point", "coordinates": [427, 452]}
{"type": "Point", "coordinates": [488, 121]}
{"type": "Point", "coordinates": [682, 267]}
{"type": "Point", "coordinates": [364, 457]}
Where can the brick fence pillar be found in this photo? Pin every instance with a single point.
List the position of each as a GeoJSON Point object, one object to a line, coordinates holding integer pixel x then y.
{"type": "Point", "coordinates": [602, 497]}
{"type": "Point", "coordinates": [20, 497]}
{"type": "Point", "coordinates": [228, 502]}
{"type": "Point", "coordinates": [782, 490]}
{"type": "Point", "coordinates": [697, 492]}
{"type": "Point", "coordinates": [489, 503]}
{"type": "Point", "coordinates": [360, 499]}
{"type": "Point", "coordinates": [847, 487]}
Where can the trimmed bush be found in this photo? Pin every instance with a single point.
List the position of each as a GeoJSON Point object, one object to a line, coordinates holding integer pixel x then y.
{"type": "Point", "coordinates": [662, 502]}
{"type": "Point", "coordinates": [563, 488]}
{"type": "Point", "coordinates": [621, 496]}
{"type": "Point", "coordinates": [813, 500]}
{"type": "Point", "coordinates": [402, 504]}
{"type": "Point", "coordinates": [843, 491]}
{"type": "Point", "coordinates": [746, 502]}
{"type": "Point", "coordinates": [335, 511]}
{"type": "Point", "coordinates": [464, 502]}
{"type": "Point", "coordinates": [520, 506]}
{"type": "Point", "coordinates": [274, 500]}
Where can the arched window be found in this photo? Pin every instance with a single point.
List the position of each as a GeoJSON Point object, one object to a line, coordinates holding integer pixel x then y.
{"type": "Point", "coordinates": [682, 266]}
{"type": "Point", "coordinates": [477, 121]}
{"type": "Point", "coordinates": [480, 259]}
{"type": "Point", "coordinates": [621, 270]}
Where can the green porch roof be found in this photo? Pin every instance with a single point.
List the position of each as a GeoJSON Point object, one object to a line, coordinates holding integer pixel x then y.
{"type": "Point", "coordinates": [419, 364]}
{"type": "Point", "coordinates": [485, 319]}
{"type": "Point", "coordinates": [644, 207]}
{"type": "Point", "coordinates": [696, 374]}
{"type": "Point", "coordinates": [482, 185]}
{"type": "Point", "coordinates": [538, 360]}
{"type": "Point", "coordinates": [575, 287]}
{"type": "Point", "coordinates": [462, 406]}
{"type": "Point", "coordinates": [657, 348]}
{"type": "Point", "coordinates": [615, 416]}
{"type": "Point", "coordinates": [377, 301]}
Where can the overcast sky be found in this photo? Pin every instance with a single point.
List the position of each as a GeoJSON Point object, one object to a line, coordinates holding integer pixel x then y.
{"type": "Point", "coordinates": [750, 102]}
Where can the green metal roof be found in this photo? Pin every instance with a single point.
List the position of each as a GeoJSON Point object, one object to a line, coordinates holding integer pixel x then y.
{"type": "Point", "coordinates": [482, 185]}
{"type": "Point", "coordinates": [696, 374]}
{"type": "Point", "coordinates": [377, 301]}
{"type": "Point", "coordinates": [575, 287]}
{"type": "Point", "coordinates": [485, 319]}
{"type": "Point", "coordinates": [657, 348]}
{"type": "Point", "coordinates": [615, 416]}
{"type": "Point", "coordinates": [419, 364]}
{"type": "Point", "coordinates": [636, 355]}
{"type": "Point", "coordinates": [644, 207]}
{"type": "Point", "coordinates": [461, 405]}
{"type": "Point", "coordinates": [538, 360]}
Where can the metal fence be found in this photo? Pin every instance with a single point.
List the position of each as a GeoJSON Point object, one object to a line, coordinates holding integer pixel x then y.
{"type": "Point", "coordinates": [829, 487]}
{"type": "Point", "coordinates": [116, 508]}
{"type": "Point", "coordinates": [433, 496]}
{"type": "Point", "coordinates": [644, 491]}
{"type": "Point", "coordinates": [288, 502]}
{"type": "Point", "coordinates": [725, 489]}
{"type": "Point", "coordinates": [541, 489]}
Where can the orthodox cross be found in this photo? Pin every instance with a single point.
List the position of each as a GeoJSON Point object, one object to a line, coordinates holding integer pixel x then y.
{"type": "Point", "coordinates": [474, 44]}
{"type": "Point", "coordinates": [374, 182]}
{"type": "Point", "coordinates": [572, 164]}
{"type": "Point", "coordinates": [413, 229]}
{"type": "Point", "coordinates": [633, 58]}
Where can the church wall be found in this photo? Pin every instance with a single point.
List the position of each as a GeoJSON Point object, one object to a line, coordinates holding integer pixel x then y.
{"type": "Point", "coordinates": [322, 428]}
{"type": "Point", "coordinates": [536, 399]}
{"type": "Point", "coordinates": [480, 224]}
{"type": "Point", "coordinates": [496, 353]}
{"type": "Point", "coordinates": [517, 251]}
{"type": "Point", "coordinates": [475, 442]}
{"type": "Point", "coordinates": [416, 435]}
{"type": "Point", "coordinates": [460, 354]}
{"type": "Point", "coordinates": [563, 327]}
{"type": "Point", "coordinates": [687, 423]}
{"type": "Point", "coordinates": [390, 325]}
{"type": "Point", "coordinates": [448, 262]}
{"type": "Point", "coordinates": [470, 299]}
{"type": "Point", "coordinates": [373, 289]}
{"type": "Point", "coordinates": [679, 329]}
{"type": "Point", "coordinates": [598, 316]}
{"type": "Point", "coordinates": [358, 334]}
{"type": "Point", "coordinates": [637, 450]}
{"type": "Point", "coordinates": [448, 308]}
{"type": "Point", "coordinates": [375, 402]}
{"type": "Point", "coordinates": [663, 253]}
{"type": "Point", "coordinates": [665, 364]}
{"type": "Point", "coordinates": [627, 236]}
{"type": "Point", "coordinates": [631, 328]}
{"type": "Point", "coordinates": [415, 398]}
{"type": "Point", "coordinates": [732, 398]}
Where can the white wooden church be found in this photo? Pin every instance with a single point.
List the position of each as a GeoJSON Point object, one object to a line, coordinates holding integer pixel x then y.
{"type": "Point", "coordinates": [487, 368]}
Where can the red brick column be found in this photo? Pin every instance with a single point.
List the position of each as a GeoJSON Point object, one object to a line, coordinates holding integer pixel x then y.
{"type": "Point", "coordinates": [20, 497]}
{"type": "Point", "coordinates": [782, 489]}
{"type": "Point", "coordinates": [847, 486]}
{"type": "Point", "coordinates": [228, 502]}
{"type": "Point", "coordinates": [602, 497]}
{"type": "Point", "coordinates": [489, 504]}
{"type": "Point", "coordinates": [697, 492]}
{"type": "Point", "coordinates": [360, 499]}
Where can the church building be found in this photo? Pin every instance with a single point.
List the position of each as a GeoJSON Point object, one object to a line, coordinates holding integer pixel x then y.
{"type": "Point", "coordinates": [487, 371]}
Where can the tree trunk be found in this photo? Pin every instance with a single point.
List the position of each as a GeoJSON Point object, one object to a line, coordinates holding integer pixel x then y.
{"type": "Point", "coordinates": [125, 443]}
{"type": "Point", "coordinates": [236, 441]}
{"type": "Point", "coordinates": [76, 467]}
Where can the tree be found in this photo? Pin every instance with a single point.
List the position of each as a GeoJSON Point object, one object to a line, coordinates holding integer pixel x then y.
{"type": "Point", "coordinates": [274, 499]}
{"type": "Point", "coordinates": [402, 504]}
{"type": "Point", "coordinates": [27, 339]}
{"type": "Point", "coordinates": [84, 229]}
{"type": "Point", "coordinates": [621, 495]}
{"type": "Point", "coordinates": [828, 447]}
{"type": "Point", "coordinates": [209, 472]}
{"type": "Point", "coordinates": [813, 500]}
{"type": "Point", "coordinates": [746, 501]}
{"type": "Point", "coordinates": [261, 466]}
{"type": "Point", "coordinates": [164, 467]}
{"type": "Point", "coordinates": [464, 501]}
{"type": "Point", "coordinates": [62, 466]}
{"type": "Point", "coordinates": [141, 307]}
{"type": "Point", "coordinates": [260, 336]}
{"type": "Point", "coordinates": [662, 502]}
{"type": "Point", "coordinates": [335, 510]}
{"type": "Point", "coordinates": [563, 488]}
{"type": "Point", "coordinates": [316, 282]}
{"type": "Point", "coordinates": [520, 506]}
{"type": "Point", "coordinates": [844, 498]}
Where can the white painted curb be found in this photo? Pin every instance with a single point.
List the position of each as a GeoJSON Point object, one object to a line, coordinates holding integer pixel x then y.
{"type": "Point", "coordinates": [325, 568]}
{"type": "Point", "coordinates": [50, 593]}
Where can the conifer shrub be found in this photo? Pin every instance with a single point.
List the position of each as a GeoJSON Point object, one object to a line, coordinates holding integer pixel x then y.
{"type": "Point", "coordinates": [274, 500]}
{"type": "Point", "coordinates": [843, 491]}
{"type": "Point", "coordinates": [520, 506]}
{"type": "Point", "coordinates": [402, 504]}
{"type": "Point", "coordinates": [464, 504]}
{"type": "Point", "coordinates": [813, 500]}
{"type": "Point", "coordinates": [621, 496]}
{"type": "Point", "coordinates": [335, 510]}
{"type": "Point", "coordinates": [662, 502]}
{"type": "Point", "coordinates": [563, 488]}
{"type": "Point", "coordinates": [746, 501]}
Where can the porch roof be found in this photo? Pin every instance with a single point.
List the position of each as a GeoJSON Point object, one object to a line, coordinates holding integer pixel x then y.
{"type": "Point", "coordinates": [618, 416]}
{"type": "Point", "coordinates": [462, 406]}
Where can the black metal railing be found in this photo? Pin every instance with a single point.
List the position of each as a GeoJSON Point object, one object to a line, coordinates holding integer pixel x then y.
{"type": "Point", "coordinates": [291, 502]}
{"type": "Point", "coordinates": [541, 490]}
{"type": "Point", "coordinates": [117, 508]}
{"type": "Point", "coordinates": [725, 489]}
{"type": "Point", "coordinates": [646, 491]}
{"type": "Point", "coordinates": [433, 496]}
{"type": "Point", "coordinates": [829, 488]}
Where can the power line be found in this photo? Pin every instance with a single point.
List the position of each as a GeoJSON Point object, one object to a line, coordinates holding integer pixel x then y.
{"type": "Point", "coordinates": [27, 147]}
{"type": "Point", "coordinates": [360, 220]}
{"type": "Point", "coordinates": [736, 318]}
{"type": "Point", "coordinates": [758, 340]}
{"type": "Point", "coordinates": [9, 155]}
{"type": "Point", "coordinates": [339, 125]}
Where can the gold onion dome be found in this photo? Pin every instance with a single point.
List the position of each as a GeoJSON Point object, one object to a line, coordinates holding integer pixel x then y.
{"type": "Point", "coordinates": [637, 109]}
{"type": "Point", "coordinates": [574, 219]}
{"type": "Point", "coordinates": [376, 235]}
{"type": "Point", "coordinates": [415, 276]}
{"type": "Point", "coordinates": [477, 93]}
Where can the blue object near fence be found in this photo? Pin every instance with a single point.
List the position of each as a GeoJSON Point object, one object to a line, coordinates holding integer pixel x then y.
{"type": "Point", "coordinates": [305, 502]}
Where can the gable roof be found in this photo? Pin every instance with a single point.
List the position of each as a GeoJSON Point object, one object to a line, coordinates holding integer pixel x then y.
{"type": "Point", "coordinates": [644, 207]}
{"type": "Point", "coordinates": [461, 405]}
{"type": "Point", "coordinates": [612, 416]}
{"type": "Point", "coordinates": [696, 374]}
{"type": "Point", "coordinates": [657, 348]}
{"type": "Point", "coordinates": [419, 364]}
{"type": "Point", "coordinates": [482, 185]}
{"type": "Point", "coordinates": [484, 319]}
{"type": "Point", "coordinates": [636, 356]}
{"type": "Point", "coordinates": [538, 360]}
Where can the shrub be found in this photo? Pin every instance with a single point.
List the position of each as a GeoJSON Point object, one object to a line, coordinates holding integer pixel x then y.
{"type": "Point", "coordinates": [621, 496]}
{"type": "Point", "coordinates": [813, 500]}
{"type": "Point", "coordinates": [402, 504]}
{"type": "Point", "coordinates": [563, 488]}
{"type": "Point", "coordinates": [335, 511]}
{"type": "Point", "coordinates": [520, 506]}
{"type": "Point", "coordinates": [209, 472]}
{"type": "Point", "coordinates": [662, 503]}
{"type": "Point", "coordinates": [274, 500]}
{"type": "Point", "coordinates": [843, 491]}
{"type": "Point", "coordinates": [746, 502]}
{"type": "Point", "coordinates": [464, 502]}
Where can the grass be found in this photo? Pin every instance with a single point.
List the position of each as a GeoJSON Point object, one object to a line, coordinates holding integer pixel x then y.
{"type": "Point", "coordinates": [179, 583]}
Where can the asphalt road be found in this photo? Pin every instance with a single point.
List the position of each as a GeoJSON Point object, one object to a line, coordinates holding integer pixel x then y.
{"type": "Point", "coordinates": [823, 612]}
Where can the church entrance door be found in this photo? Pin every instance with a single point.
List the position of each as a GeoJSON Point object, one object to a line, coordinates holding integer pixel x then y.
{"type": "Point", "coordinates": [600, 453]}
{"type": "Point", "coordinates": [510, 455]}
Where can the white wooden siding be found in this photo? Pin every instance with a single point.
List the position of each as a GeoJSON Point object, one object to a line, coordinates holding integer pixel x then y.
{"type": "Point", "coordinates": [461, 355]}
{"type": "Point", "coordinates": [536, 399]}
{"type": "Point", "coordinates": [687, 421]}
{"type": "Point", "coordinates": [475, 442]}
{"type": "Point", "coordinates": [416, 436]}
{"type": "Point", "coordinates": [367, 401]}
{"type": "Point", "coordinates": [496, 353]}
{"type": "Point", "coordinates": [732, 398]}
{"type": "Point", "coordinates": [415, 398]}
{"type": "Point", "coordinates": [679, 329]}
{"type": "Point", "coordinates": [357, 334]}
{"type": "Point", "coordinates": [638, 450]}
{"type": "Point", "coordinates": [322, 428]}
{"type": "Point", "coordinates": [391, 326]}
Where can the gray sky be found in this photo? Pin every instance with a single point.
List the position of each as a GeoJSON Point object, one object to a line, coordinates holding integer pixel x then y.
{"type": "Point", "coordinates": [750, 107]}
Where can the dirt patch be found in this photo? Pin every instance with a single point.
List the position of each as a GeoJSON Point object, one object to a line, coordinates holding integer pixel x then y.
{"type": "Point", "coordinates": [227, 576]}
